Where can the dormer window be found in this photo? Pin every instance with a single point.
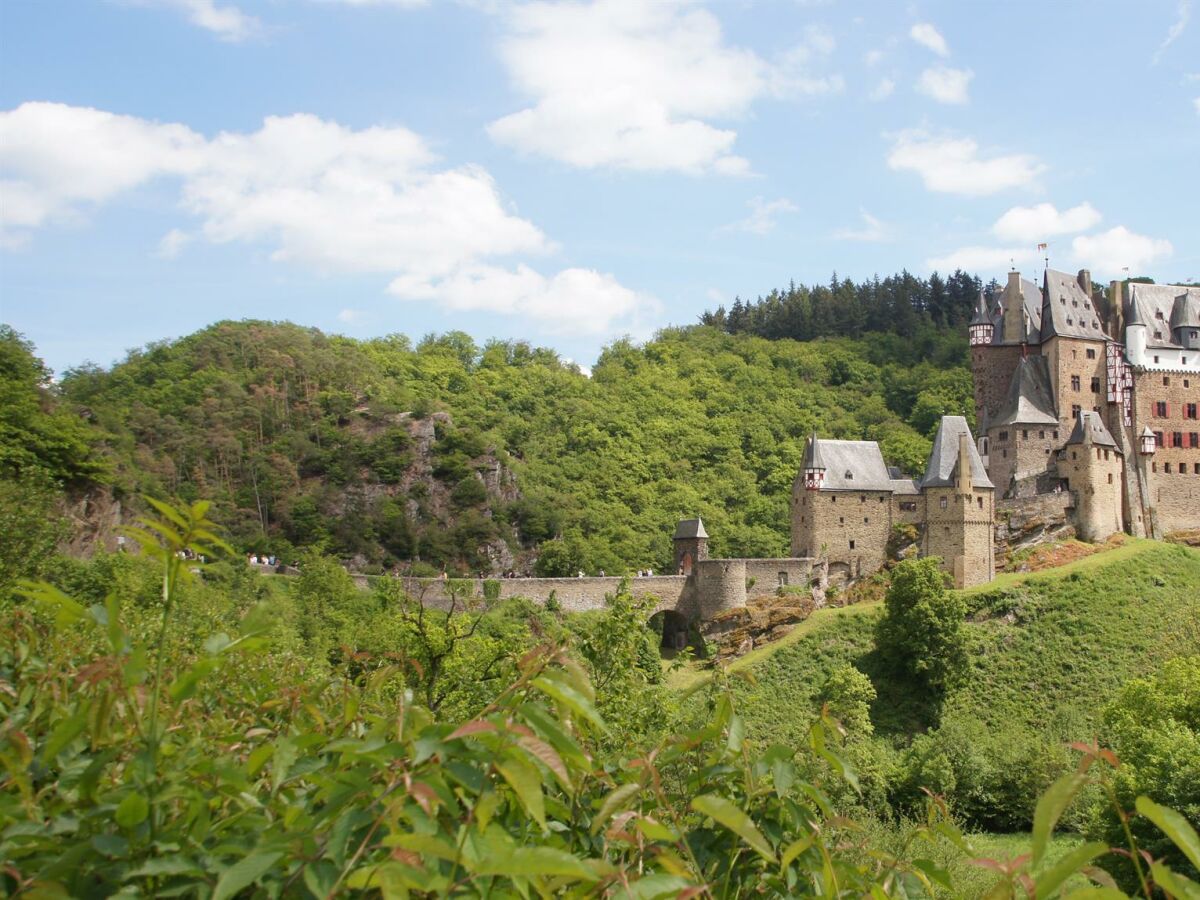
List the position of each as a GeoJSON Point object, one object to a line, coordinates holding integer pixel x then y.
{"type": "Point", "coordinates": [849, 475]}
{"type": "Point", "coordinates": [1157, 337]}
{"type": "Point", "coordinates": [1158, 314]}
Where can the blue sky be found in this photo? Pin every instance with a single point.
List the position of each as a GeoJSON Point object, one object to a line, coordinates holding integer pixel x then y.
{"type": "Point", "coordinates": [567, 173]}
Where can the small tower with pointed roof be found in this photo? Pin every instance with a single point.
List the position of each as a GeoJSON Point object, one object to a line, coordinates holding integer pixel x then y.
{"type": "Point", "coordinates": [960, 508]}
{"type": "Point", "coordinates": [1094, 467]}
{"type": "Point", "coordinates": [691, 545]}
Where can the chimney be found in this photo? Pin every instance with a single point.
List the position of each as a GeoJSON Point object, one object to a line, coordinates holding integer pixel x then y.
{"type": "Point", "coordinates": [1014, 310]}
{"type": "Point", "coordinates": [1085, 282]}
{"type": "Point", "coordinates": [965, 479]}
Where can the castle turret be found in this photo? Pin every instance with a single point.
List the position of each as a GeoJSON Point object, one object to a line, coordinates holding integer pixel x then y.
{"type": "Point", "coordinates": [1135, 332]}
{"type": "Point", "coordinates": [1185, 320]}
{"type": "Point", "coordinates": [814, 467]}
{"type": "Point", "coordinates": [981, 328]}
{"type": "Point", "coordinates": [691, 545]}
{"type": "Point", "coordinates": [959, 506]}
{"type": "Point", "coordinates": [1094, 468]}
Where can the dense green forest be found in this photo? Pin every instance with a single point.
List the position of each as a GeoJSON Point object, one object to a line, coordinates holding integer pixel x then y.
{"type": "Point", "coordinates": [473, 457]}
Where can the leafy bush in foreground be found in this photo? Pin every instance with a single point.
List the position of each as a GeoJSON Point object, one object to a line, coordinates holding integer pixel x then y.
{"type": "Point", "coordinates": [215, 775]}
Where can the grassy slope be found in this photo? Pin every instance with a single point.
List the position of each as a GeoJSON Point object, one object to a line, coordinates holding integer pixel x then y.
{"type": "Point", "coordinates": [1048, 649]}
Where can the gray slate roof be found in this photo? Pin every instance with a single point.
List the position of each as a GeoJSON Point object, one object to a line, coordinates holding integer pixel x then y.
{"type": "Point", "coordinates": [1068, 311]}
{"type": "Point", "coordinates": [942, 470]}
{"type": "Point", "coordinates": [1031, 296]}
{"type": "Point", "coordinates": [1030, 399]}
{"type": "Point", "coordinates": [1159, 307]}
{"type": "Point", "coordinates": [690, 528]}
{"type": "Point", "coordinates": [850, 465]}
{"type": "Point", "coordinates": [1089, 426]}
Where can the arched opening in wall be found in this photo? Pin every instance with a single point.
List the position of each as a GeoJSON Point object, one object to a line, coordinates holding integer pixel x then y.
{"type": "Point", "coordinates": [674, 631]}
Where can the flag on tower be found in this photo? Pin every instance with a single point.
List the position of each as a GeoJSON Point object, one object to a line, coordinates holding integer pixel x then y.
{"type": "Point", "coordinates": [1043, 246]}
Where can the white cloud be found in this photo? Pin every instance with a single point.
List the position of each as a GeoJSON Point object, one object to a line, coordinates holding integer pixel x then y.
{"type": "Point", "coordinates": [1196, 103]}
{"type": "Point", "coordinates": [872, 231]}
{"type": "Point", "coordinates": [625, 84]}
{"type": "Point", "coordinates": [944, 84]}
{"type": "Point", "coordinates": [790, 76]}
{"type": "Point", "coordinates": [981, 259]}
{"type": "Point", "coordinates": [873, 57]}
{"type": "Point", "coordinates": [172, 243]}
{"type": "Point", "coordinates": [574, 300]}
{"type": "Point", "coordinates": [930, 38]}
{"type": "Point", "coordinates": [350, 316]}
{"type": "Point", "coordinates": [763, 215]}
{"type": "Point", "coordinates": [227, 22]}
{"type": "Point", "coordinates": [316, 194]}
{"type": "Point", "coordinates": [403, 4]}
{"type": "Point", "coordinates": [882, 90]}
{"type": "Point", "coordinates": [1182, 15]}
{"type": "Point", "coordinates": [954, 166]}
{"type": "Point", "coordinates": [1036, 223]}
{"type": "Point", "coordinates": [1111, 251]}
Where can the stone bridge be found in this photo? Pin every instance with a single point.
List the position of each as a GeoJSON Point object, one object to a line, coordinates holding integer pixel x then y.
{"type": "Point", "coordinates": [714, 586]}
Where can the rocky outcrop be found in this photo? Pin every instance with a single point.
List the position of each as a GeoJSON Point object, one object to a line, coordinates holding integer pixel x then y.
{"type": "Point", "coordinates": [736, 632]}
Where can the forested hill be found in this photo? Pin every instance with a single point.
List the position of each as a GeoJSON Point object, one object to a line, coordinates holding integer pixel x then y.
{"type": "Point", "coordinates": [500, 456]}
{"type": "Point", "coordinates": [901, 305]}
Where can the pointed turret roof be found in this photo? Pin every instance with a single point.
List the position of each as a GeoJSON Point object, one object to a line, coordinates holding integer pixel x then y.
{"type": "Point", "coordinates": [1030, 399]}
{"type": "Point", "coordinates": [1089, 429]}
{"type": "Point", "coordinates": [1185, 312]}
{"type": "Point", "coordinates": [981, 316]}
{"type": "Point", "coordinates": [690, 528]}
{"type": "Point", "coordinates": [942, 470]}
{"type": "Point", "coordinates": [848, 465]}
{"type": "Point", "coordinates": [812, 453]}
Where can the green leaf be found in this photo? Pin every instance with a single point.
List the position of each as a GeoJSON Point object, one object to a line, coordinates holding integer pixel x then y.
{"type": "Point", "coordinates": [796, 848]}
{"type": "Point", "coordinates": [1174, 826]}
{"type": "Point", "coordinates": [659, 885]}
{"type": "Point", "coordinates": [65, 610]}
{"type": "Point", "coordinates": [934, 872]}
{"type": "Point", "coordinates": [565, 694]}
{"type": "Point", "coordinates": [64, 732]}
{"type": "Point", "coordinates": [525, 861]}
{"type": "Point", "coordinates": [244, 873]}
{"type": "Point", "coordinates": [132, 811]}
{"type": "Point", "coordinates": [614, 801]}
{"type": "Point", "coordinates": [526, 783]}
{"type": "Point", "coordinates": [1050, 807]}
{"type": "Point", "coordinates": [1097, 893]}
{"type": "Point", "coordinates": [1049, 881]}
{"type": "Point", "coordinates": [1178, 885]}
{"type": "Point", "coordinates": [185, 685]}
{"type": "Point", "coordinates": [737, 734]}
{"type": "Point", "coordinates": [731, 816]}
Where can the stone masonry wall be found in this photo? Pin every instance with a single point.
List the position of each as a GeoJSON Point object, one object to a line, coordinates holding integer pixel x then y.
{"type": "Point", "coordinates": [1174, 480]}
{"type": "Point", "coordinates": [766, 573]}
{"type": "Point", "coordinates": [573, 594]}
{"type": "Point", "coordinates": [1094, 476]}
{"type": "Point", "coordinates": [1017, 451]}
{"type": "Point", "coordinates": [992, 369]}
{"type": "Point", "coordinates": [961, 533]}
{"type": "Point", "coordinates": [1068, 359]}
{"type": "Point", "coordinates": [846, 527]}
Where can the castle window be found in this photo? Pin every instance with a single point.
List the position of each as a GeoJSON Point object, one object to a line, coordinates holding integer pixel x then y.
{"type": "Point", "coordinates": [1196, 468]}
{"type": "Point", "coordinates": [1004, 454]}
{"type": "Point", "coordinates": [1153, 467]}
{"type": "Point", "coordinates": [852, 545]}
{"type": "Point", "coordinates": [783, 579]}
{"type": "Point", "coordinates": [1095, 385]}
{"type": "Point", "coordinates": [943, 503]}
{"type": "Point", "coordinates": [1075, 410]}
{"type": "Point", "coordinates": [881, 499]}
{"type": "Point", "coordinates": [1075, 303]}
{"type": "Point", "coordinates": [1074, 382]}
{"type": "Point", "coordinates": [1106, 456]}
{"type": "Point", "coordinates": [1158, 439]}
{"type": "Point", "coordinates": [1055, 434]}
{"type": "Point", "coordinates": [980, 499]}
{"type": "Point", "coordinates": [1042, 435]}
{"type": "Point", "coordinates": [1158, 314]}
{"type": "Point", "coordinates": [841, 520]}
{"type": "Point", "coordinates": [1069, 322]}
{"type": "Point", "coordinates": [1110, 477]}
{"type": "Point", "coordinates": [833, 498]}
{"type": "Point", "coordinates": [1156, 357]}
{"type": "Point", "coordinates": [1160, 408]}
{"type": "Point", "coordinates": [1189, 411]}
{"type": "Point", "coordinates": [908, 507]}
{"type": "Point", "coordinates": [862, 499]}
{"type": "Point", "coordinates": [1194, 438]}
{"type": "Point", "coordinates": [1002, 436]}
{"type": "Point", "coordinates": [866, 520]}
{"type": "Point", "coordinates": [1074, 455]}
{"type": "Point", "coordinates": [1167, 468]}
{"type": "Point", "coordinates": [1098, 453]}
{"type": "Point", "coordinates": [1091, 353]}
{"type": "Point", "coordinates": [1166, 381]}
{"type": "Point", "coordinates": [1177, 439]}
{"type": "Point", "coordinates": [849, 475]}
{"type": "Point", "coordinates": [1024, 434]}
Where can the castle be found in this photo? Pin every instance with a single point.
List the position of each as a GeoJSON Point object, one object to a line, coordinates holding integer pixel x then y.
{"type": "Point", "coordinates": [1085, 415]}
{"type": "Point", "coordinates": [1096, 414]}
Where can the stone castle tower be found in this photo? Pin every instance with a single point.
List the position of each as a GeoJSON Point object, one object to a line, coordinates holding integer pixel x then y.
{"type": "Point", "coordinates": [691, 545]}
{"type": "Point", "coordinates": [1094, 468]}
{"type": "Point", "coordinates": [960, 511]}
